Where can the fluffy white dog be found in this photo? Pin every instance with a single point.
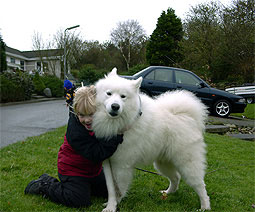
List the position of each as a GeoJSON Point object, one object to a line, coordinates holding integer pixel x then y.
{"type": "Point", "coordinates": [167, 131]}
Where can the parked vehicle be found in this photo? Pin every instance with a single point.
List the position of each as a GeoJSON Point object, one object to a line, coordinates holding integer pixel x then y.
{"type": "Point", "coordinates": [159, 79]}
{"type": "Point", "coordinates": [247, 92]}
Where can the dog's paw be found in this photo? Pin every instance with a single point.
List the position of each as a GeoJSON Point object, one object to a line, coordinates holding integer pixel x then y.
{"type": "Point", "coordinates": [109, 209]}
{"type": "Point", "coordinates": [169, 190]}
{"type": "Point", "coordinates": [205, 205]}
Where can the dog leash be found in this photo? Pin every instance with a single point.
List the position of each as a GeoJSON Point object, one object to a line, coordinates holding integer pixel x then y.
{"type": "Point", "coordinates": [148, 171]}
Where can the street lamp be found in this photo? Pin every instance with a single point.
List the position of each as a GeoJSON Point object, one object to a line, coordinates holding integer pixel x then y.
{"type": "Point", "coordinates": [69, 28]}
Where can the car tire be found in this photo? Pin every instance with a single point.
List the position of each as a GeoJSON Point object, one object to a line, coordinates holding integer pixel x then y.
{"type": "Point", "coordinates": [222, 108]}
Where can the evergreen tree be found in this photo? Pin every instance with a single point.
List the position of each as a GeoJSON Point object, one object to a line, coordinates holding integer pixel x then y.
{"type": "Point", "coordinates": [164, 44]}
{"type": "Point", "coordinates": [3, 64]}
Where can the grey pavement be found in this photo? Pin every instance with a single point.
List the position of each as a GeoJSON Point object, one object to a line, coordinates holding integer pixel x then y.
{"type": "Point", "coordinates": [222, 129]}
{"type": "Point", "coordinates": [233, 120]}
{"type": "Point", "coordinates": [32, 118]}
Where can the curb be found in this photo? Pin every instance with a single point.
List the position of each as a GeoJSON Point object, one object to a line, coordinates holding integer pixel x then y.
{"type": "Point", "coordinates": [31, 101]}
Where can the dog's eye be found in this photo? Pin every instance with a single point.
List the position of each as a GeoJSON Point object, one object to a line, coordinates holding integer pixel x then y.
{"type": "Point", "coordinates": [108, 93]}
{"type": "Point", "coordinates": [123, 96]}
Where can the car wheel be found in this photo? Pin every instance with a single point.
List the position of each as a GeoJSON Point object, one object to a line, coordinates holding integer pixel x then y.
{"type": "Point", "coordinates": [222, 108]}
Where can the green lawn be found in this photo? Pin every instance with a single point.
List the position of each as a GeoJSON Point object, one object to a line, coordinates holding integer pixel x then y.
{"type": "Point", "coordinates": [230, 178]}
{"type": "Point", "coordinates": [249, 112]}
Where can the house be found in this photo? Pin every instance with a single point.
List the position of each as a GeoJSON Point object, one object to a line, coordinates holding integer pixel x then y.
{"type": "Point", "coordinates": [42, 61]}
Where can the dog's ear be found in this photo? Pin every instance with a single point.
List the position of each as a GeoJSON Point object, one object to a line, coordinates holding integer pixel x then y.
{"type": "Point", "coordinates": [113, 72]}
{"type": "Point", "coordinates": [138, 82]}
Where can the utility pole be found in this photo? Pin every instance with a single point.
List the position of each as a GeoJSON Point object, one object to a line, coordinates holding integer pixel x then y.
{"type": "Point", "coordinates": [69, 28]}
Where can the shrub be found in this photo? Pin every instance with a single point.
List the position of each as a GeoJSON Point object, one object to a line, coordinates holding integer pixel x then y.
{"type": "Point", "coordinates": [26, 83]}
{"type": "Point", "coordinates": [137, 68]}
{"type": "Point", "coordinates": [16, 86]}
{"type": "Point", "coordinates": [90, 74]}
{"type": "Point", "coordinates": [55, 84]}
{"type": "Point", "coordinates": [39, 86]}
{"type": "Point", "coordinates": [9, 92]}
{"type": "Point", "coordinates": [75, 73]}
{"type": "Point", "coordinates": [87, 73]}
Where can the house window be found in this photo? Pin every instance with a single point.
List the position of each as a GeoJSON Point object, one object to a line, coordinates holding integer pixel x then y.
{"type": "Point", "coordinates": [38, 66]}
{"type": "Point", "coordinates": [22, 65]}
{"type": "Point", "coordinates": [12, 60]}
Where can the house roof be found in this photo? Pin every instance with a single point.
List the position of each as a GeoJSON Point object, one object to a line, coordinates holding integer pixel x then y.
{"type": "Point", "coordinates": [36, 53]}
{"type": "Point", "coordinates": [13, 51]}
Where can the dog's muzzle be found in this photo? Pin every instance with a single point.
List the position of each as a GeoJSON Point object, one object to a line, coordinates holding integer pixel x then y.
{"type": "Point", "coordinates": [114, 109]}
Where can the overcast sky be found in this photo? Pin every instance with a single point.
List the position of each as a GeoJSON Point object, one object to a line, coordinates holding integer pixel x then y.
{"type": "Point", "coordinates": [20, 19]}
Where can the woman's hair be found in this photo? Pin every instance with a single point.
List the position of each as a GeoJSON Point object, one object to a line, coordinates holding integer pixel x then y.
{"type": "Point", "coordinates": [84, 100]}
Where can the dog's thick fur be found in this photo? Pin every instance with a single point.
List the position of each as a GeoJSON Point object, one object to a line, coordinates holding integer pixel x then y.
{"type": "Point", "coordinates": [168, 133]}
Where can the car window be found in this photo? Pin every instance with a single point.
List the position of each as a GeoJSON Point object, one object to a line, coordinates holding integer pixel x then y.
{"type": "Point", "coordinates": [186, 78]}
{"type": "Point", "coordinates": [150, 76]}
{"type": "Point", "coordinates": [161, 75]}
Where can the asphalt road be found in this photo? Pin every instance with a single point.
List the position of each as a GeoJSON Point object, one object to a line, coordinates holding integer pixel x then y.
{"type": "Point", "coordinates": [25, 120]}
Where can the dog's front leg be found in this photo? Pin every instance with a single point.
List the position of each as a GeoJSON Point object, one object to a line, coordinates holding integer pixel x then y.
{"type": "Point", "coordinates": [112, 201]}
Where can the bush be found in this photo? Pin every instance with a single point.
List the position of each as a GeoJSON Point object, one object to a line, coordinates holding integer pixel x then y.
{"type": "Point", "coordinates": [15, 86]}
{"type": "Point", "coordinates": [39, 86]}
{"type": "Point", "coordinates": [90, 74]}
{"type": "Point", "coordinates": [137, 68]}
{"type": "Point", "coordinates": [75, 73]}
{"type": "Point", "coordinates": [55, 84]}
{"type": "Point", "coordinates": [9, 92]}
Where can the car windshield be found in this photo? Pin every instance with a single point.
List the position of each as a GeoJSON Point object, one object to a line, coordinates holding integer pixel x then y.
{"type": "Point", "coordinates": [138, 73]}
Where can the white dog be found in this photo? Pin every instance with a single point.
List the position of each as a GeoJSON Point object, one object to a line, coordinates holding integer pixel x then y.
{"type": "Point", "coordinates": [167, 130]}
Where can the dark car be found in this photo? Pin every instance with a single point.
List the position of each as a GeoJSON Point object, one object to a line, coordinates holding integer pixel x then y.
{"type": "Point", "coordinates": [159, 79]}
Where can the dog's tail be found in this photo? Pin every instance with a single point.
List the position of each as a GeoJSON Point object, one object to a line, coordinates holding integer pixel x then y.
{"type": "Point", "coordinates": [182, 102]}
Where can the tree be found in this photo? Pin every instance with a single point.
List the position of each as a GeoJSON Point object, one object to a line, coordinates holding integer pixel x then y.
{"type": "Point", "coordinates": [203, 41]}
{"type": "Point", "coordinates": [219, 41]}
{"type": "Point", "coordinates": [239, 40]}
{"type": "Point", "coordinates": [43, 51]}
{"type": "Point", "coordinates": [3, 64]}
{"type": "Point", "coordinates": [74, 45]}
{"type": "Point", "coordinates": [129, 37]}
{"type": "Point", "coordinates": [73, 42]}
{"type": "Point", "coordinates": [164, 44]}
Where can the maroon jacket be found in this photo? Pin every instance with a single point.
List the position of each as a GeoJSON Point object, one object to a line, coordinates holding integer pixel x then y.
{"type": "Point", "coordinates": [82, 153]}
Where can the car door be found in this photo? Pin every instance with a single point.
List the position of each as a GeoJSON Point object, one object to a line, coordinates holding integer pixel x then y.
{"type": "Point", "coordinates": [188, 81]}
{"type": "Point", "coordinates": [158, 80]}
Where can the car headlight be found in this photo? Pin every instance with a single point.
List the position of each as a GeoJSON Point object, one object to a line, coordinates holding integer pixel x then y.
{"type": "Point", "coordinates": [241, 100]}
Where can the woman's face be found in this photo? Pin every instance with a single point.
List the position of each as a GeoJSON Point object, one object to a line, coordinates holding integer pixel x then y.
{"type": "Point", "coordinates": [86, 120]}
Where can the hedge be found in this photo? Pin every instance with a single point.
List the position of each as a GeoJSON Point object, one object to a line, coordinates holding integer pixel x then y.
{"type": "Point", "coordinates": [16, 86]}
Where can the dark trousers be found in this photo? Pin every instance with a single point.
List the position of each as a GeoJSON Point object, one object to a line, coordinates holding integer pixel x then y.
{"type": "Point", "coordinates": [75, 191]}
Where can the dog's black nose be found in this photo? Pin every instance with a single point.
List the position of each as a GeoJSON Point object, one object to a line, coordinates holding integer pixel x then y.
{"type": "Point", "coordinates": [115, 107]}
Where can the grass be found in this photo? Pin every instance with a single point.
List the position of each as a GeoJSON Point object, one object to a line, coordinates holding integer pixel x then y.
{"type": "Point", "coordinates": [229, 179]}
{"type": "Point", "coordinates": [249, 112]}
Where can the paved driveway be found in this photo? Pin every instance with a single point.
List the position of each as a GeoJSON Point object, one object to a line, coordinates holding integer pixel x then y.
{"type": "Point", "coordinates": [24, 120]}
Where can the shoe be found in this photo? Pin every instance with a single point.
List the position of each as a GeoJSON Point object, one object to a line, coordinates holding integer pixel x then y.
{"type": "Point", "coordinates": [35, 186]}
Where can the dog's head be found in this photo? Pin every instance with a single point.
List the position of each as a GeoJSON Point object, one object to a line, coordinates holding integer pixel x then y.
{"type": "Point", "coordinates": [117, 94]}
